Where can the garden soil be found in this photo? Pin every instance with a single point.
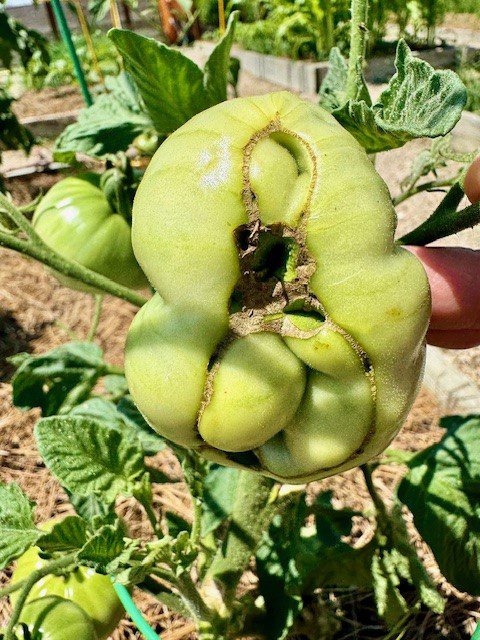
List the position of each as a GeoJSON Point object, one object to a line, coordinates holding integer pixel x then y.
{"type": "Point", "coordinates": [37, 314]}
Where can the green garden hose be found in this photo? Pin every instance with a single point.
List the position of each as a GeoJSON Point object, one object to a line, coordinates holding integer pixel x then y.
{"type": "Point", "coordinates": [134, 613]}
{"type": "Point", "coordinates": [476, 635]}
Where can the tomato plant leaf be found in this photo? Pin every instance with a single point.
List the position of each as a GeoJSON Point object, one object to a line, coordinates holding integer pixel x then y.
{"type": "Point", "coordinates": [26, 43]}
{"type": "Point", "coordinates": [17, 529]}
{"type": "Point", "coordinates": [176, 524]}
{"type": "Point", "coordinates": [68, 535]}
{"type": "Point", "coordinates": [102, 410]}
{"type": "Point", "coordinates": [112, 123]}
{"type": "Point", "coordinates": [92, 509]}
{"type": "Point", "coordinates": [408, 565]}
{"type": "Point", "coordinates": [418, 102]}
{"type": "Point", "coordinates": [88, 457]}
{"type": "Point", "coordinates": [103, 548]}
{"type": "Point", "coordinates": [169, 599]}
{"type": "Point", "coordinates": [220, 486]}
{"type": "Point", "coordinates": [279, 579]}
{"type": "Point", "coordinates": [217, 67]}
{"type": "Point", "coordinates": [170, 84]}
{"type": "Point", "coordinates": [332, 94]}
{"type": "Point", "coordinates": [151, 442]}
{"type": "Point", "coordinates": [124, 417]}
{"type": "Point", "coordinates": [442, 490]}
{"type": "Point", "coordinates": [116, 386]}
{"type": "Point", "coordinates": [47, 380]}
{"type": "Point", "coordinates": [391, 605]}
{"type": "Point", "coordinates": [13, 135]}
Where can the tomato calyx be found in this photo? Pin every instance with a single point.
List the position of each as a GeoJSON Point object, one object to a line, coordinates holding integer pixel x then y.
{"type": "Point", "coordinates": [119, 184]}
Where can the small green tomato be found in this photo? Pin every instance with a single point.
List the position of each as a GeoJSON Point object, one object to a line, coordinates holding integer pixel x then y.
{"type": "Point", "coordinates": [93, 592]}
{"type": "Point", "coordinates": [75, 219]}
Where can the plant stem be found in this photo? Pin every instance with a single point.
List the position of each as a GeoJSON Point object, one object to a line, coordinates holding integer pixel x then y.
{"type": "Point", "coordinates": [437, 227]}
{"type": "Point", "coordinates": [28, 584]}
{"type": "Point", "coordinates": [192, 597]}
{"type": "Point", "coordinates": [97, 312]}
{"type": "Point", "coordinates": [152, 518]}
{"type": "Point", "coordinates": [358, 33]}
{"type": "Point", "coordinates": [113, 370]}
{"type": "Point", "coordinates": [55, 261]}
{"type": "Point", "coordinates": [115, 15]}
{"type": "Point", "coordinates": [221, 16]}
{"type": "Point", "coordinates": [382, 514]}
{"type": "Point", "coordinates": [88, 38]}
{"type": "Point", "coordinates": [426, 186]}
{"type": "Point", "coordinates": [10, 588]}
{"type": "Point", "coordinates": [197, 521]}
{"type": "Point", "coordinates": [251, 514]}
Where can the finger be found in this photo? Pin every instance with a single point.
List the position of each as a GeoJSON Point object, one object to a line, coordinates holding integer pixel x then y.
{"type": "Point", "coordinates": [472, 181]}
{"type": "Point", "coordinates": [463, 339]}
{"type": "Point", "coordinates": [454, 277]}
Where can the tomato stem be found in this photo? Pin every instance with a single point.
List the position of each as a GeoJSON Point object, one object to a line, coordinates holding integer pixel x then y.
{"type": "Point", "coordinates": [440, 226]}
{"type": "Point", "coordinates": [380, 509]}
{"type": "Point", "coordinates": [426, 186]}
{"type": "Point", "coordinates": [252, 511]}
{"type": "Point", "coordinates": [29, 583]}
{"type": "Point", "coordinates": [34, 247]}
{"type": "Point", "coordinates": [358, 36]}
{"type": "Point", "coordinates": [97, 312]}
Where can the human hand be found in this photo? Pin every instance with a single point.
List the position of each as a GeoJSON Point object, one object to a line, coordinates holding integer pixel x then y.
{"type": "Point", "coordinates": [454, 276]}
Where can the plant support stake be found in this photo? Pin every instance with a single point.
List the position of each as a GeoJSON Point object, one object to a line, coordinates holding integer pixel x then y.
{"type": "Point", "coordinates": [67, 38]}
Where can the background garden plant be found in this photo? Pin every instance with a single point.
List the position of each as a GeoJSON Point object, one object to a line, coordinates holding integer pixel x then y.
{"type": "Point", "coordinates": [96, 443]}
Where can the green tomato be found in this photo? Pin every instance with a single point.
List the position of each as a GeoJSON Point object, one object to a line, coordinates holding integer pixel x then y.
{"type": "Point", "coordinates": [147, 143]}
{"type": "Point", "coordinates": [298, 379]}
{"type": "Point", "coordinates": [75, 219]}
{"type": "Point", "coordinates": [93, 592]}
{"type": "Point", "coordinates": [54, 618]}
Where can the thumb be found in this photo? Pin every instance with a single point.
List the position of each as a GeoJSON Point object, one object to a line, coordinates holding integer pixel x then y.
{"type": "Point", "coordinates": [472, 181]}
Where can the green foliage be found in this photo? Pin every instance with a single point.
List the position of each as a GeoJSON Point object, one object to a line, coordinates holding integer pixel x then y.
{"type": "Point", "coordinates": [60, 70]}
{"type": "Point", "coordinates": [470, 76]}
{"type": "Point", "coordinates": [95, 439]}
{"type": "Point", "coordinates": [19, 43]}
{"type": "Point", "coordinates": [299, 29]}
{"type": "Point", "coordinates": [442, 491]}
{"type": "Point", "coordinates": [418, 102]}
{"type": "Point", "coordinates": [172, 86]}
{"type": "Point", "coordinates": [112, 123]}
{"type": "Point", "coordinates": [160, 90]}
{"type": "Point", "coordinates": [13, 135]}
{"type": "Point", "coordinates": [53, 380]}
{"type": "Point", "coordinates": [17, 530]}
{"type": "Point", "coordinates": [88, 457]}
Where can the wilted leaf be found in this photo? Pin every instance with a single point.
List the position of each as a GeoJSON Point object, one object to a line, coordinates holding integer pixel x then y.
{"type": "Point", "coordinates": [418, 102]}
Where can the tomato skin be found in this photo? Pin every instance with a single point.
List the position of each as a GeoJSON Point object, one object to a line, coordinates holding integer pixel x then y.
{"type": "Point", "coordinates": [295, 403]}
{"type": "Point", "coordinates": [93, 592]}
{"type": "Point", "coordinates": [75, 219]}
{"type": "Point", "coordinates": [53, 618]}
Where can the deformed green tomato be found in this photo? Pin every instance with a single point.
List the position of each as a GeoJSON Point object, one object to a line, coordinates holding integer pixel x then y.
{"type": "Point", "coordinates": [75, 219]}
{"type": "Point", "coordinates": [53, 618]}
{"type": "Point", "coordinates": [93, 592]}
{"type": "Point", "coordinates": [287, 334]}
